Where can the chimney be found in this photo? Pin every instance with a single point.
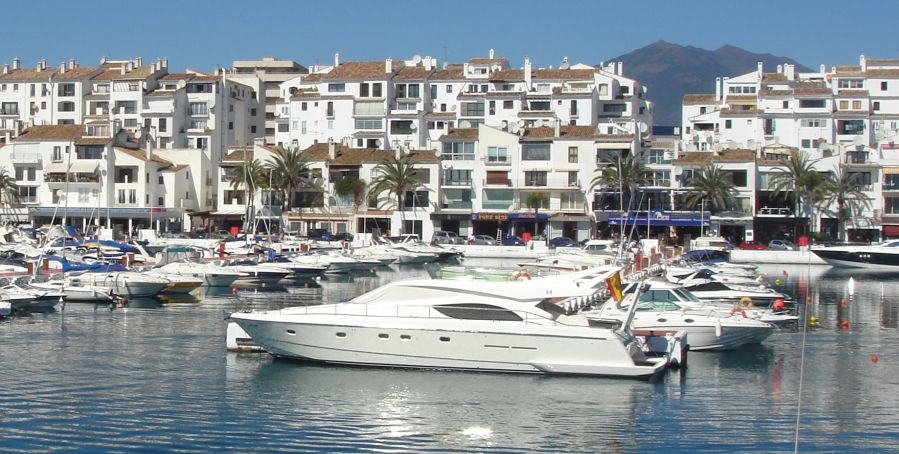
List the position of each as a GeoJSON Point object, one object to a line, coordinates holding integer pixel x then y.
{"type": "Point", "coordinates": [717, 89]}
{"type": "Point", "coordinates": [527, 74]}
{"type": "Point", "coordinates": [122, 69]}
{"type": "Point", "coordinates": [16, 63]}
{"type": "Point", "coordinates": [43, 63]}
{"type": "Point", "coordinates": [388, 65]}
{"type": "Point", "coordinates": [103, 60]}
{"type": "Point", "coordinates": [165, 63]}
{"type": "Point", "coordinates": [780, 69]}
{"type": "Point", "coordinates": [62, 67]}
{"type": "Point", "coordinates": [138, 62]}
{"type": "Point", "coordinates": [761, 69]}
{"type": "Point", "coordinates": [6, 68]}
{"type": "Point", "coordinates": [619, 68]}
{"type": "Point", "coordinates": [336, 60]}
{"type": "Point", "coordinates": [332, 149]}
{"type": "Point", "coordinates": [465, 69]}
{"type": "Point", "coordinates": [490, 54]}
{"type": "Point", "coordinates": [72, 63]}
{"type": "Point", "coordinates": [149, 147]}
{"type": "Point", "coordinates": [38, 67]}
{"type": "Point", "coordinates": [558, 126]}
{"type": "Point", "coordinates": [822, 68]}
{"type": "Point", "coordinates": [863, 62]}
{"type": "Point", "coordinates": [789, 71]}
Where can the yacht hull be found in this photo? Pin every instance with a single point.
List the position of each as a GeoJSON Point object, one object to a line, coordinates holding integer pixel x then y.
{"type": "Point", "coordinates": [863, 258]}
{"type": "Point", "coordinates": [419, 346]}
{"type": "Point", "coordinates": [712, 338]}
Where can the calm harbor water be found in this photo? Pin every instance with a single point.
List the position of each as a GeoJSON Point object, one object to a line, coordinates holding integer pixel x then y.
{"type": "Point", "coordinates": [157, 377]}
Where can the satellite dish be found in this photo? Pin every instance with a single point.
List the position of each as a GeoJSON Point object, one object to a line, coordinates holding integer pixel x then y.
{"type": "Point", "coordinates": [521, 123]}
{"type": "Point", "coordinates": [513, 128]}
{"type": "Point", "coordinates": [453, 108]}
{"type": "Point", "coordinates": [503, 125]}
{"type": "Point", "coordinates": [416, 59]}
{"type": "Point", "coordinates": [464, 124]}
{"type": "Point", "coordinates": [413, 127]}
{"type": "Point", "coordinates": [378, 143]}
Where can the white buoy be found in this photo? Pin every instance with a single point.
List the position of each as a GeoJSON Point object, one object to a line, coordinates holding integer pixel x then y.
{"type": "Point", "coordinates": [851, 286]}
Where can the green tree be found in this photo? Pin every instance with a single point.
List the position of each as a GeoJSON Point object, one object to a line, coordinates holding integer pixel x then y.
{"type": "Point", "coordinates": [396, 177]}
{"type": "Point", "coordinates": [355, 187]}
{"type": "Point", "coordinates": [712, 188]}
{"type": "Point", "coordinates": [844, 190]}
{"type": "Point", "coordinates": [289, 172]}
{"type": "Point", "coordinates": [9, 190]}
{"type": "Point", "coordinates": [624, 174]}
{"type": "Point", "coordinates": [798, 177]}
{"type": "Point", "coordinates": [537, 200]}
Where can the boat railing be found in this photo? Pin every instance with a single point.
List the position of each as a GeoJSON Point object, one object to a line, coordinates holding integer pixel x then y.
{"type": "Point", "coordinates": [461, 312]}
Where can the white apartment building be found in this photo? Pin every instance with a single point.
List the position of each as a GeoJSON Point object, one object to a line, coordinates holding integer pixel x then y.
{"type": "Point", "coordinates": [838, 117]}
{"type": "Point", "coordinates": [265, 76]}
{"type": "Point", "coordinates": [93, 178]}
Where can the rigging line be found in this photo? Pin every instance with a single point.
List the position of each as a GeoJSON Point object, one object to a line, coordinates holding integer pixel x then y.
{"type": "Point", "coordinates": [801, 365]}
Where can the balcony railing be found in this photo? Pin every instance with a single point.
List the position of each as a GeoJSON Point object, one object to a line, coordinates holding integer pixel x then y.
{"type": "Point", "coordinates": [498, 161]}
{"type": "Point", "coordinates": [73, 178]}
{"type": "Point", "coordinates": [465, 183]}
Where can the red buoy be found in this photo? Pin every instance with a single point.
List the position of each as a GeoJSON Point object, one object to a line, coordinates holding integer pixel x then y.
{"type": "Point", "coordinates": [874, 358]}
{"type": "Point", "coordinates": [845, 324]}
{"type": "Point", "coordinates": [778, 305]}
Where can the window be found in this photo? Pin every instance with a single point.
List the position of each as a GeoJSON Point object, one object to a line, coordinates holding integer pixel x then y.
{"type": "Point", "coordinates": [540, 105]}
{"type": "Point", "coordinates": [474, 311]}
{"type": "Point", "coordinates": [369, 123]}
{"type": "Point", "coordinates": [407, 91]}
{"type": "Point", "coordinates": [851, 127]}
{"type": "Point", "coordinates": [492, 108]}
{"type": "Point", "coordinates": [810, 143]}
{"type": "Point", "coordinates": [876, 105]}
{"type": "Point", "coordinates": [330, 109]}
{"type": "Point", "coordinates": [376, 90]}
{"type": "Point", "coordinates": [303, 127]}
{"type": "Point", "coordinates": [473, 109]}
{"type": "Point", "coordinates": [449, 88]}
{"type": "Point", "coordinates": [457, 177]}
{"type": "Point", "coordinates": [9, 108]}
{"type": "Point", "coordinates": [303, 106]}
{"type": "Point", "coordinates": [57, 154]}
{"type": "Point", "coordinates": [253, 129]}
{"type": "Point", "coordinates": [572, 155]}
{"type": "Point", "coordinates": [572, 178]}
{"type": "Point", "coordinates": [253, 112]}
{"type": "Point", "coordinates": [66, 89]}
{"type": "Point", "coordinates": [89, 152]}
{"type": "Point", "coordinates": [202, 143]}
{"type": "Point", "coordinates": [535, 178]}
{"type": "Point", "coordinates": [28, 194]}
{"type": "Point", "coordinates": [851, 83]}
{"type": "Point", "coordinates": [457, 151]}
{"type": "Point", "coordinates": [883, 86]}
{"type": "Point", "coordinates": [160, 180]}
{"type": "Point", "coordinates": [368, 108]}
{"type": "Point", "coordinates": [83, 195]}
{"type": "Point", "coordinates": [856, 105]}
{"type": "Point", "coordinates": [497, 154]}
{"type": "Point", "coordinates": [363, 90]}
{"type": "Point", "coordinates": [194, 124]}
{"type": "Point", "coordinates": [535, 152]}
{"type": "Point", "coordinates": [198, 108]}
{"type": "Point", "coordinates": [230, 125]}
{"type": "Point", "coordinates": [433, 91]}
{"type": "Point", "coordinates": [573, 109]}
{"type": "Point", "coordinates": [614, 108]}
{"type": "Point", "coordinates": [127, 107]}
{"type": "Point", "coordinates": [786, 104]}
{"type": "Point", "coordinates": [813, 123]}
{"type": "Point", "coordinates": [571, 201]}
{"type": "Point", "coordinates": [330, 124]}
{"type": "Point", "coordinates": [401, 127]}
{"type": "Point", "coordinates": [336, 88]}
{"type": "Point", "coordinates": [130, 123]}
{"type": "Point", "coordinates": [508, 104]}
{"type": "Point", "coordinates": [812, 104]}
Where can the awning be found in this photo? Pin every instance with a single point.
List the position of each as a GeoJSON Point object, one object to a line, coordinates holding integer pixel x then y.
{"type": "Point", "coordinates": [229, 212]}
{"type": "Point", "coordinates": [75, 167]}
{"type": "Point", "coordinates": [891, 230]}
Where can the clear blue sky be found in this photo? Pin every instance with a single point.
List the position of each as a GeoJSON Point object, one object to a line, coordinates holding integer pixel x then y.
{"type": "Point", "coordinates": [206, 34]}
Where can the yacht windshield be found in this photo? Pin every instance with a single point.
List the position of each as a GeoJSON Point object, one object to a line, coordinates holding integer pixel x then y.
{"type": "Point", "coordinates": [685, 295]}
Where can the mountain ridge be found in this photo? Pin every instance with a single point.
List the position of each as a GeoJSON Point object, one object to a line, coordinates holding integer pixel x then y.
{"type": "Point", "coordinates": [671, 70]}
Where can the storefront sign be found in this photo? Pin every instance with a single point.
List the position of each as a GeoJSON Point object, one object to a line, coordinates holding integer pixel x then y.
{"type": "Point", "coordinates": [500, 217]}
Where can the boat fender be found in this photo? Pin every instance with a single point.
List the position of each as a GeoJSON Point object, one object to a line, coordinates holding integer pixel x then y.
{"type": "Point", "coordinates": [746, 301]}
{"type": "Point", "coordinates": [521, 275]}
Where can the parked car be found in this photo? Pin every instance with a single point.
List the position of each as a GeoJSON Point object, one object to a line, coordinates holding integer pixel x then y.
{"type": "Point", "coordinates": [319, 235]}
{"type": "Point", "coordinates": [562, 241]}
{"type": "Point", "coordinates": [782, 245]}
{"type": "Point", "coordinates": [513, 241]}
{"type": "Point", "coordinates": [444, 237]}
{"type": "Point", "coordinates": [752, 246]}
{"type": "Point", "coordinates": [485, 240]}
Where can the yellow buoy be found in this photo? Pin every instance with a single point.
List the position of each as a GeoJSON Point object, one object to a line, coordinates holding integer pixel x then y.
{"type": "Point", "coordinates": [813, 320]}
{"type": "Point", "coordinates": [777, 282]}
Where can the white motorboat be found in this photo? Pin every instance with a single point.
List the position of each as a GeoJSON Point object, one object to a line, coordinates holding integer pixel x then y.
{"type": "Point", "coordinates": [334, 263]}
{"type": "Point", "coordinates": [659, 310]}
{"type": "Point", "coordinates": [261, 272]}
{"type": "Point", "coordinates": [211, 275]}
{"type": "Point", "coordinates": [75, 293]}
{"type": "Point", "coordinates": [367, 253]}
{"type": "Point", "coordinates": [711, 290]}
{"type": "Point", "coordinates": [31, 300]}
{"type": "Point", "coordinates": [676, 274]}
{"type": "Point", "coordinates": [300, 270]}
{"type": "Point", "coordinates": [464, 325]}
{"type": "Point", "coordinates": [121, 283]}
{"type": "Point", "coordinates": [177, 283]}
{"type": "Point", "coordinates": [883, 256]}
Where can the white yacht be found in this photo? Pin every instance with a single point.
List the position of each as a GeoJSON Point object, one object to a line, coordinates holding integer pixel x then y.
{"type": "Point", "coordinates": [883, 256]}
{"type": "Point", "coordinates": [121, 283]}
{"type": "Point", "coordinates": [33, 300]}
{"type": "Point", "coordinates": [660, 309]}
{"type": "Point", "coordinates": [464, 325]}
{"type": "Point", "coordinates": [711, 290]}
{"type": "Point", "coordinates": [260, 272]}
{"type": "Point", "coordinates": [211, 275]}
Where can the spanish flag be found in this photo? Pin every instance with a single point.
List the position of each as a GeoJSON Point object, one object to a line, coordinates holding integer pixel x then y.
{"type": "Point", "coordinates": [614, 282]}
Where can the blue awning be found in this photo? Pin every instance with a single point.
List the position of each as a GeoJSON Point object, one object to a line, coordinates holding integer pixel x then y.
{"type": "Point", "coordinates": [661, 219]}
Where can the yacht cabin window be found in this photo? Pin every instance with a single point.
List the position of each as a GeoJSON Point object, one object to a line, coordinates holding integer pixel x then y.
{"type": "Point", "coordinates": [477, 312]}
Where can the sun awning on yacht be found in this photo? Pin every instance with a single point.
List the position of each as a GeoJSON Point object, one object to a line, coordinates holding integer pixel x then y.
{"type": "Point", "coordinates": [75, 167]}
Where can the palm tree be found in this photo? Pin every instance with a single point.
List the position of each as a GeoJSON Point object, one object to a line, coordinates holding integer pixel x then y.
{"type": "Point", "coordinates": [537, 200]}
{"type": "Point", "coordinates": [844, 190]}
{"type": "Point", "coordinates": [8, 188]}
{"type": "Point", "coordinates": [800, 177]}
{"type": "Point", "coordinates": [623, 173]}
{"type": "Point", "coordinates": [396, 177]}
{"type": "Point", "coordinates": [289, 172]}
{"type": "Point", "coordinates": [713, 185]}
{"type": "Point", "coordinates": [249, 176]}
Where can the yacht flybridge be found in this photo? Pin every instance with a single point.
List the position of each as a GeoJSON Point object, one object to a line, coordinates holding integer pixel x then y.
{"type": "Point", "coordinates": [464, 325]}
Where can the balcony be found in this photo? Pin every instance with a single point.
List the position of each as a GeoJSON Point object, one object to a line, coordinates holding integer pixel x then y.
{"type": "Point", "coordinates": [498, 161]}
{"type": "Point", "coordinates": [498, 183]}
{"type": "Point", "coordinates": [462, 183]}
{"type": "Point", "coordinates": [26, 157]}
{"type": "Point", "coordinates": [10, 111]}
{"type": "Point", "coordinates": [74, 178]}
{"type": "Point", "coordinates": [456, 205]}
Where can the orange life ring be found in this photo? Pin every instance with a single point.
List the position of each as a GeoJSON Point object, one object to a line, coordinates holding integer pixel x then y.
{"type": "Point", "coordinates": [521, 274]}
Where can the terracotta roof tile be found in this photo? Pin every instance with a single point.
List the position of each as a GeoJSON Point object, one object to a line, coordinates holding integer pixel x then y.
{"type": "Point", "coordinates": [142, 155]}
{"type": "Point", "coordinates": [28, 74]}
{"type": "Point", "coordinates": [177, 76]}
{"type": "Point", "coordinates": [448, 74]}
{"type": "Point", "coordinates": [739, 112]}
{"type": "Point", "coordinates": [175, 168]}
{"type": "Point", "coordinates": [115, 73]}
{"type": "Point", "coordinates": [238, 154]}
{"type": "Point", "coordinates": [412, 73]}
{"type": "Point", "coordinates": [76, 74]}
{"type": "Point", "coordinates": [852, 94]}
{"type": "Point", "coordinates": [346, 155]}
{"type": "Point", "coordinates": [735, 155]}
{"type": "Point", "coordinates": [52, 132]}
{"type": "Point", "coordinates": [314, 77]}
{"type": "Point", "coordinates": [694, 157]}
{"type": "Point", "coordinates": [487, 61]}
{"type": "Point", "coordinates": [423, 156]}
{"type": "Point", "coordinates": [543, 132]}
{"type": "Point", "coordinates": [207, 78]}
{"type": "Point", "coordinates": [774, 77]}
{"type": "Point", "coordinates": [812, 91]}
{"type": "Point", "coordinates": [564, 74]}
{"type": "Point", "coordinates": [882, 62]}
{"type": "Point", "coordinates": [460, 134]}
{"type": "Point", "coordinates": [93, 140]}
{"type": "Point", "coordinates": [577, 132]}
{"type": "Point", "coordinates": [508, 75]}
{"type": "Point", "coordinates": [883, 73]}
{"type": "Point", "coordinates": [741, 98]}
{"type": "Point", "coordinates": [701, 98]}
{"type": "Point", "coordinates": [353, 70]}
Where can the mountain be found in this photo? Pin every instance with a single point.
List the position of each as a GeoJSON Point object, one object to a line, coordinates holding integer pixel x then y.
{"type": "Point", "coordinates": [670, 71]}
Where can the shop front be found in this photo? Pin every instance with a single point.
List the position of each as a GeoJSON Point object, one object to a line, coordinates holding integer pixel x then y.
{"type": "Point", "coordinates": [576, 227]}
{"type": "Point", "coordinates": [661, 224]}
{"type": "Point", "coordinates": [511, 223]}
{"type": "Point", "coordinates": [124, 222]}
{"type": "Point", "coordinates": [460, 224]}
